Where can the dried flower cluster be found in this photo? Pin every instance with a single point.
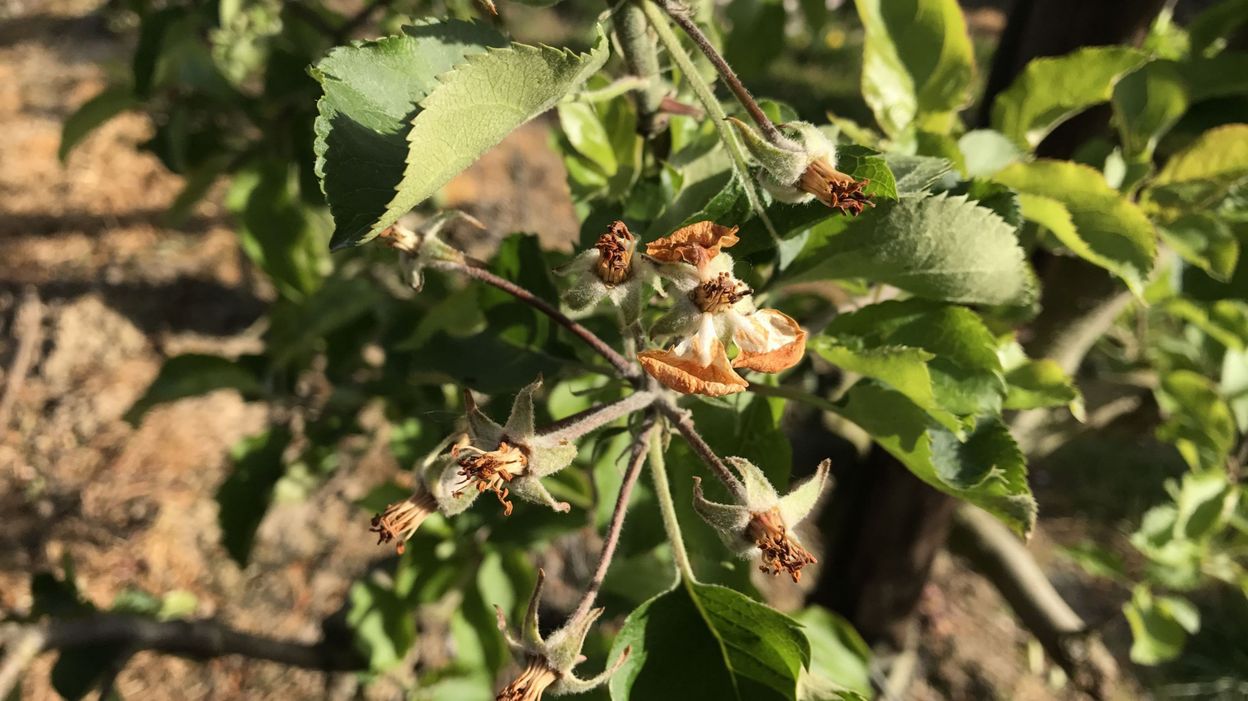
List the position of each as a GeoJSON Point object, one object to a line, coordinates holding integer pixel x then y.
{"type": "Point", "coordinates": [711, 313]}
{"type": "Point", "coordinates": [714, 310]}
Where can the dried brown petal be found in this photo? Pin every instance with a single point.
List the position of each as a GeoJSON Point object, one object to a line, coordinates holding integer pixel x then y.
{"type": "Point", "coordinates": [834, 188]}
{"type": "Point", "coordinates": [531, 683]}
{"type": "Point", "coordinates": [683, 373]}
{"type": "Point", "coordinates": [781, 553]}
{"type": "Point", "coordinates": [783, 343]}
{"type": "Point", "coordinates": [695, 244]}
{"type": "Point", "coordinates": [615, 254]}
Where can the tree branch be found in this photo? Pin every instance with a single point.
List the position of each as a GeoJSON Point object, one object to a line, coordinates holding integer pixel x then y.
{"type": "Point", "coordinates": [595, 417]}
{"type": "Point", "coordinates": [622, 365]}
{"type": "Point", "coordinates": [684, 424]}
{"type": "Point", "coordinates": [641, 444]}
{"type": "Point", "coordinates": [202, 639]}
{"type": "Point", "coordinates": [680, 15]}
{"type": "Point", "coordinates": [994, 551]}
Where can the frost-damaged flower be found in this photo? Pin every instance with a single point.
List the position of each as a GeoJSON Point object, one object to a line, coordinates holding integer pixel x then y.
{"type": "Point", "coordinates": [714, 309]}
{"type": "Point", "coordinates": [506, 460]}
{"type": "Point", "coordinates": [804, 168]}
{"type": "Point", "coordinates": [419, 248]}
{"type": "Point", "coordinates": [609, 270]}
{"type": "Point", "coordinates": [765, 521]}
{"type": "Point", "coordinates": [548, 662]}
{"type": "Point", "coordinates": [401, 519]}
{"type": "Point", "coordinates": [399, 522]}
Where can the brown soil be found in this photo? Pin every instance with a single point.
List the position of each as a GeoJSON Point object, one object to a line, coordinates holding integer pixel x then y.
{"type": "Point", "coordinates": [134, 507]}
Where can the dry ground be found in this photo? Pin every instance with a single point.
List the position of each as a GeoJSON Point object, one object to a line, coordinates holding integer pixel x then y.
{"type": "Point", "coordinates": [118, 292]}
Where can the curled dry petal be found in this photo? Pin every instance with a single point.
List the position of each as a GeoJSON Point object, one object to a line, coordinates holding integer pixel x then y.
{"type": "Point", "coordinates": [615, 254]}
{"type": "Point", "coordinates": [531, 683]}
{"type": "Point", "coordinates": [695, 244]}
{"type": "Point", "coordinates": [400, 520]}
{"type": "Point", "coordinates": [769, 341]}
{"type": "Point", "coordinates": [680, 369]}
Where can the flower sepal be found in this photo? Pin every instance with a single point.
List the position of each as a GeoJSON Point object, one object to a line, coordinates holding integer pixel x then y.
{"type": "Point", "coordinates": [549, 661]}
{"type": "Point", "coordinates": [763, 522]}
{"type": "Point", "coordinates": [507, 460]}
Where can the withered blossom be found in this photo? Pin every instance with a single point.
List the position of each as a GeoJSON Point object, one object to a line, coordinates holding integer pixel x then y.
{"type": "Point", "coordinates": [507, 460]}
{"type": "Point", "coordinates": [549, 661]}
{"type": "Point", "coordinates": [803, 168]}
{"type": "Point", "coordinates": [610, 270]}
{"type": "Point", "coordinates": [764, 523]}
{"type": "Point", "coordinates": [715, 308]}
{"type": "Point", "coordinates": [399, 522]}
{"type": "Point", "coordinates": [419, 248]}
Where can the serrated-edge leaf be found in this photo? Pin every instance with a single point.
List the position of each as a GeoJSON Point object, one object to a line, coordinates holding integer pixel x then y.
{"type": "Point", "coordinates": [900, 80]}
{"type": "Point", "coordinates": [512, 85]}
{"type": "Point", "coordinates": [1087, 215]}
{"type": "Point", "coordinates": [940, 247]}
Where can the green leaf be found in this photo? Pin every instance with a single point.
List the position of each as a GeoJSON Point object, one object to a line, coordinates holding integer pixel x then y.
{"type": "Point", "coordinates": [988, 469]}
{"type": "Point", "coordinates": [1203, 502]}
{"type": "Point", "coordinates": [1208, 32]}
{"type": "Point", "coordinates": [1037, 384]}
{"type": "Point", "coordinates": [1150, 101]}
{"type": "Point", "coordinates": [1225, 321]}
{"type": "Point", "coordinates": [587, 134]}
{"type": "Point", "coordinates": [916, 175]}
{"type": "Point", "coordinates": [1159, 625]}
{"type": "Point", "coordinates": [939, 247]}
{"type": "Point", "coordinates": [371, 93]}
{"type": "Point", "coordinates": [985, 152]}
{"type": "Point", "coordinates": [866, 164]}
{"type": "Point", "coordinates": [917, 64]}
{"type": "Point", "coordinates": [108, 104]}
{"type": "Point", "coordinates": [477, 104]}
{"type": "Point", "coordinates": [1201, 175]}
{"type": "Point", "coordinates": [965, 369]}
{"type": "Point", "coordinates": [1090, 218]}
{"type": "Point", "coordinates": [703, 641]}
{"type": "Point", "coordinates": [244, 497]}
{"type": "Point", "coordinates": [192, 375]}
{"type": "Point", "coordinates": [1198, 420]}
{"type": "Point", "coordinates": [1204, 241]}
{"type": "Point", "coordinates": [383, 622]}
{"type": "Point", "coordinates": [282, 236]}
{"type": "Point", "coordinates": [1051, 90]}
{"type": "Point", "coordinates": [839, 658]}
{"type": "Point", "coordinates": [904, 369]}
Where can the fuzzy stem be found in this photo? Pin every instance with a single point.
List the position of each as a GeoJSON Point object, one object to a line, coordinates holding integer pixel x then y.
{"type": "Point", "coordinates": [640, 444]}
{"type": "Point", "coordinates": [680, 15]}
{"type": "Point", "coordinates": [680, 419]}
{"type": "Point", "coordinates": [663, 491]}
{"type": "Point", "coordinates": [642, 57]}
{"type": "Point", "coordinates": [595, 417]}
{"type": "Point", "coordinates": [715, 110]}
{"type": "Point", "coordinates": [622, 365]}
